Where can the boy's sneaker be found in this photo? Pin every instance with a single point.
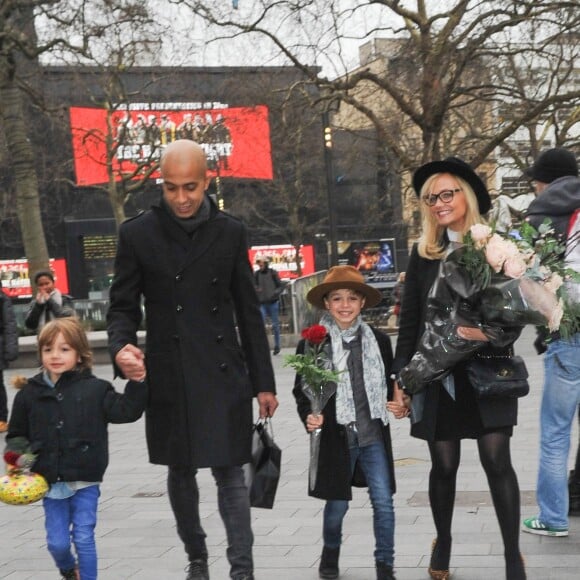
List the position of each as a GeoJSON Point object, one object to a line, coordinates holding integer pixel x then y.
{"type": "Point", "coordinates": [535, 526]}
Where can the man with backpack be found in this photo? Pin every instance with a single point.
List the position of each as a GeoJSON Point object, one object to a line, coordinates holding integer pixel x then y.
{"type": "Point", "coordinates": [269, 287]}
{"type": "Point", "coordinates": [557, 186]}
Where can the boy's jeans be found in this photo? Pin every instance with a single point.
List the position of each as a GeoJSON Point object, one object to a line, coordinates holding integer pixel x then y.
{"type": "Point", "coordinates": [373, 461]}
{"type": "Point", "coordinates": [559, 407]}
{"type": "Point", "coordinates": [73, 518]}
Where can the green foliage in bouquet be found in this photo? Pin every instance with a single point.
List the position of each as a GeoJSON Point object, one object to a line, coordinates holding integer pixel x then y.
{"type": "Point", "coordinates": [473, 259]}
{"type": "Point", "coordinates": [314, 366]}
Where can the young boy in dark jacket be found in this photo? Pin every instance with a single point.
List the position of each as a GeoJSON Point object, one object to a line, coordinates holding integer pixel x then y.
{"type": "Point", "coordinates": [60, 416]}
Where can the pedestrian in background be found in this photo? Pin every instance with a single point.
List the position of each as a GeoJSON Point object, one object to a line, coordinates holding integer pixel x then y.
{"type": "Point", "coordinates": [60, 416]}
{"type": "Point", "coordinates": [398, 292]}
{"type": "Point", "coordinates": [8, 351]}
{"type": "Point", "coordinates": [557, 186]}
{"type": "Point", "coordinates": [355, 444]}
{"type": "Point", "coordinates": [269, 287]}
{"type": "Point", "coordinates": [453, 198]}
{"type": "Point", "coordinates": [48, 303]}
{"type": "Point", "coordinates": [207, 352]}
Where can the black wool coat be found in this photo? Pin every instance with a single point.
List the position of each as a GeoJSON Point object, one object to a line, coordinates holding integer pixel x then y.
{"type": "Point", "coordinates": [207, 352]}
{"type": "Point", "coordinates": [66, 425]}
{"type": "Point", "coordinates": [420, 276]}
{"type": "Point", "coordinates": [334, 479]}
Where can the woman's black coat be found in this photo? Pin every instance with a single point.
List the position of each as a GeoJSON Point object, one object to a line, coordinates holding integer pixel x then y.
{"type": "Point", "coordinates": [207, 353]}
{"type": "Point", "coordinates": [421, 273]}
{"type": "Point", "coordinates": [334, 480]}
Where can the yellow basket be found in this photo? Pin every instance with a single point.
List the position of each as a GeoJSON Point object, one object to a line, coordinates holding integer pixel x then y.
{"type": "Point", "coordinates": [22, 488]}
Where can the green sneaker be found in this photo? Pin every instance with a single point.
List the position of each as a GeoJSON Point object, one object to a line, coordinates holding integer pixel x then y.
{"type": "Point", "coordinates": [535, 526]}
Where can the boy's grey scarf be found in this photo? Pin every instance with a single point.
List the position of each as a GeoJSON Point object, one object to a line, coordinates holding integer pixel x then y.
{"type": "Point", "coordinates": [373, 371]}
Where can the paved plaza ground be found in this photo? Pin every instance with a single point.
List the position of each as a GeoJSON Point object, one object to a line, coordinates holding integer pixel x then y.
{"type": "Point", "coordinates": [136, 537]}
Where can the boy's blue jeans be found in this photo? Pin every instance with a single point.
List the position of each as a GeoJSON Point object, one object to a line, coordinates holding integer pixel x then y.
{"type": "Point", "coordinates": [559, 406]}
{"type": "Point", "coordinates": [373, 461]}
{"type": "Point", "coordinates": [73, 518]}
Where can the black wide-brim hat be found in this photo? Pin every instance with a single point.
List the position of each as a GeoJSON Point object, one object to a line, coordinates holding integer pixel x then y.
{"type": "Point", "coordinates": [458, 167]}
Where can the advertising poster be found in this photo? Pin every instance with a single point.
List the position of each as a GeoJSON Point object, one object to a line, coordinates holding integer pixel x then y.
{"type": "Point", "coordinates": [374, 258]}
{"type": "Point", "coordinates": [236, 139]}
{"type": "Point", "coordinates": [16, 278]}
{"type": "Point", "coordinates": [282, 259]}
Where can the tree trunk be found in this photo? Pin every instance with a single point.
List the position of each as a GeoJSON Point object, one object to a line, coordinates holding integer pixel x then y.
{"type": "Point", "coordinates": [114, 197]}
{"type": "Point", "coordinates": [22, 161]}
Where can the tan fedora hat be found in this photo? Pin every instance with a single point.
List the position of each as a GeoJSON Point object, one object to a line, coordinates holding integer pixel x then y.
{"type": "Point", "coordinates": [339, 277]}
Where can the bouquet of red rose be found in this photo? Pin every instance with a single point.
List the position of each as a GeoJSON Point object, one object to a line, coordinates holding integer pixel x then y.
{"type": "Point", "coordinates": [318, 382]}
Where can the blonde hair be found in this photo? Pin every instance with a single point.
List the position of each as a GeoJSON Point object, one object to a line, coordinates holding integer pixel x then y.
{"type": "Point", "coordinates": [74, 334]}
{"type": "Point", "coordinates": [431, 243]}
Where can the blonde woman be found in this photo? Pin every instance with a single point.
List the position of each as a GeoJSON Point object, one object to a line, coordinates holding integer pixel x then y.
{"type": "Point", "coordinates": [452, 199]}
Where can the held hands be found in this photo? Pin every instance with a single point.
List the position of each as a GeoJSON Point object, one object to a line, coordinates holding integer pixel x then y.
{"type": "Point", "coordinates": [268, 404]}
{"type": "Point", "coordinates": [131, 362]}
{"type": "Point", "coordinates": [401, 403]}
{"type": "Point", "coordinates": [314, 422]}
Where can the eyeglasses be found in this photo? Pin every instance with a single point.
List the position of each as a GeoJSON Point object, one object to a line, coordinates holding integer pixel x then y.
{"type": "Point", "coordinates": [445, 196]}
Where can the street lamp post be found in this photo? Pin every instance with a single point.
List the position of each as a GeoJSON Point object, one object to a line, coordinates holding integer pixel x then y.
{"type": "Point", "coordinates": [330, 183]}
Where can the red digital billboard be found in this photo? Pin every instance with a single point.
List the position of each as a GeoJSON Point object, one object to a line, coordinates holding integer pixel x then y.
{"type": "Point", "coordinates": [16, 279]}
{"type": "Point", "coordinates": [236, 140]}
{"type": "Point", "coordinates": [282, 258]}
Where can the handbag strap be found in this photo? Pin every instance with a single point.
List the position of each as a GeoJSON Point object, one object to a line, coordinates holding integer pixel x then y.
{"type": "Point", "coordinates": [510, 354]}
{"type": "Point", "coordinates": [266, 424]}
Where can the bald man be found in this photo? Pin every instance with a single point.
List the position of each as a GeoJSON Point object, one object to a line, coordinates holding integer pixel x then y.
{"type": "Point", "coordinates": [206, 349]}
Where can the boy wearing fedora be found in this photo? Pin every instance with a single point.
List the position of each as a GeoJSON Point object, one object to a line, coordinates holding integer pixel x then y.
{"type": "Point", "coordinates": [355, 441]}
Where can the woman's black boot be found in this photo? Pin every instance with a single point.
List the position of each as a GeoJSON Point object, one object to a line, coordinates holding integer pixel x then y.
{"type": "Point", "coordinates": [574, 494]}
{"type": "Point", "coordinates": [329, 563]}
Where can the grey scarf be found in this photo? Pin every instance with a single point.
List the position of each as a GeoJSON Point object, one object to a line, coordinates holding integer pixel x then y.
{"type": "Point", "coordinates": [373, 371]}
{"type": "Point", "coordinates": [191, 224]}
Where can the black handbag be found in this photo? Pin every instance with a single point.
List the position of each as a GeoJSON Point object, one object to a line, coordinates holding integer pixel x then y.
{"type": "Point", "coordinates": [265, 466]}
{"type": "Point", "coordinates": [498, 377]}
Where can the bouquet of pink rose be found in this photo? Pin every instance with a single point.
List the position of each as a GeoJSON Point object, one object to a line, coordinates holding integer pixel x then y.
{"type": "Point", "coordinates": [497, 284]}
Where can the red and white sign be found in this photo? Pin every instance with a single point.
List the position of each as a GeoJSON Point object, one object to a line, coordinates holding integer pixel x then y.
{"type": "Point", "coordinates": [282, 258]}
{"type": "Point", "coordinates": [236, 140]}
{"type": "Point", "coordinates": [16, 278]}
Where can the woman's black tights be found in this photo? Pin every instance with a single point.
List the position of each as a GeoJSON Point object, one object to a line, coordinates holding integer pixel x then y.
{"type": "Point", "coordinates": [494, 453]}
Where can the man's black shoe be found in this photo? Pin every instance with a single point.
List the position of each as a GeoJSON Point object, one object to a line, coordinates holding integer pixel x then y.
{"type": "Point", "coordinates": [276, 350]}
{"type": "Point", "coordinates": [197, 570]}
